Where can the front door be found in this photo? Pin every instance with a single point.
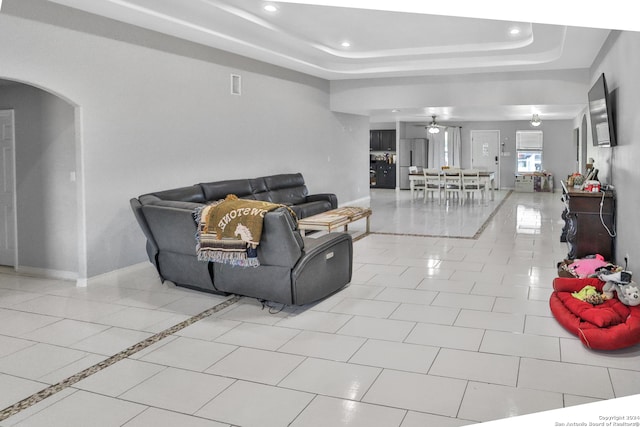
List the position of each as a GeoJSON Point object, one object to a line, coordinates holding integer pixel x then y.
{"type": "Point", "coordinates": [485, 153]}
{"type": "Point", "coordinates": [7, 190]}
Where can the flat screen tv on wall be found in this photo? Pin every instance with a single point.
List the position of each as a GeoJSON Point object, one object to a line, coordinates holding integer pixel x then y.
{"type": "Point", "coordinates": [602, 125]}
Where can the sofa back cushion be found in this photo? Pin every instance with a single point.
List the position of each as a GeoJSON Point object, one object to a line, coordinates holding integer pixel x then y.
{"type": "Point", "coordinates": [287, 188]}
{"type": "Point", "coordinates": [260, 189]}
{"type": "Point", "coordinates": [192, 194]}
{"type": "Point", "coordinates": [219, 189]}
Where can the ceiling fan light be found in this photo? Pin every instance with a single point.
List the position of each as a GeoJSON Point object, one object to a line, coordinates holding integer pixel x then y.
{"type": "Point", "coordinates": [433, 129]}
{"type": "Point", "coordinates": [535, 121]}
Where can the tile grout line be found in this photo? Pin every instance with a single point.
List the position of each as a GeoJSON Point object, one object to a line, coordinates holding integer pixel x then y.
{"type": "Point", "coordinates": [68, 382]}
{"type": "Point", "coordinates": [492, 215]}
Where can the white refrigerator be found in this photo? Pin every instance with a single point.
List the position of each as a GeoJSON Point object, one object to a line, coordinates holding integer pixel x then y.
{"type": "Point", "coordinates": [411, 152]}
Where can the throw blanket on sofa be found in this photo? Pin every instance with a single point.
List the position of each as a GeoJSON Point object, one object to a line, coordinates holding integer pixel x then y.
{"type": "Point", "coordinates": [229, 231]}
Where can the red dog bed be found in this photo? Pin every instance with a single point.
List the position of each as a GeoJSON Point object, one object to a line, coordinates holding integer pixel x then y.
{"type": "Point", "coordinates": [608, 326]}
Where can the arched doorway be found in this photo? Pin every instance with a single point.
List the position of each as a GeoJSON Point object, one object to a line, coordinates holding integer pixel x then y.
{"type": "Point", "coordinates": [46, 194]}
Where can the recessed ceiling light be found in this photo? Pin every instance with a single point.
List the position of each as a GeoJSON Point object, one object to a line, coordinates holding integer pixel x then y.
{"type": "Point", "coordinates": [270, 8]}
{"type": "Point", "coordinates": [395, 110]}
{"type": "Point", "coordinates": [345, 44]}
{"type": "Point", "coordinates": [514, 31]}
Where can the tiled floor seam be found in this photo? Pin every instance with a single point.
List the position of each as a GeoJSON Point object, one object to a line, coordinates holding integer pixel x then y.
{"type": "Point", "coordinates": [69, 381]}
{"type": "Point", "coordinates": [303, 410]}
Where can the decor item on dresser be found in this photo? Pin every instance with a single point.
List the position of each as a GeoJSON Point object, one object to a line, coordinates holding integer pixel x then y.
{"type": "Point", "coordinates": [293, 269]}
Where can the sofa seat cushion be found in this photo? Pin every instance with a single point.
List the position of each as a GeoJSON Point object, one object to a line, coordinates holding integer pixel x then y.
{"type": "Point", "coordinates": [304, 210]}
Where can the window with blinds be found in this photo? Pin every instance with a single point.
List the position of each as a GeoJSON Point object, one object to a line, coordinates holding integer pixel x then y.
{"type": "Point", "coordinates": [529, 151]}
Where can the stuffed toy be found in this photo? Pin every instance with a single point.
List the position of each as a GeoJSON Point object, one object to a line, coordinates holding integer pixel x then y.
{"type": "Point", "coordinates": [595, 299]}
{"type": "Point", "coordinates": [628, 294]}
{"type": "Point", "coordinates": [589, 294]}
{"type": "Point", "coordinates": [626, 289]}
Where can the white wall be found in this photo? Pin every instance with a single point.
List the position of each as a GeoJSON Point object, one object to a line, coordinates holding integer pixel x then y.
{"type": "Point", "coordinates": [620, 63]}
{"type": "Point", "coordinates": [150, 119]}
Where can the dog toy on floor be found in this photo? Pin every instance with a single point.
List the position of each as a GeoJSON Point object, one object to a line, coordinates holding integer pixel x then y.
{"type": "Point", "coordinates": [627, 290]}
{"type": "Point", "coordinates": [589, 294]}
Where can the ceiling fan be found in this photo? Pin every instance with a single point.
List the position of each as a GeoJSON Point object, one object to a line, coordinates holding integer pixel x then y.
{"type": "Point", "coordinates": [433, 127]}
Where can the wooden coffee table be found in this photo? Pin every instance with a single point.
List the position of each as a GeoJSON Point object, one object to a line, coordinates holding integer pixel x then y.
{"type": "Point", "coordinates": [335, 218]}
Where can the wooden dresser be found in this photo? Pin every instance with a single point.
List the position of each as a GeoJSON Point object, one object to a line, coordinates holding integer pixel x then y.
{"type": "Point", "coordinates": [584, 216]}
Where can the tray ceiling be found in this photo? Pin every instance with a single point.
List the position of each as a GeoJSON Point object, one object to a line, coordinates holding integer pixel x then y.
{"type": "Point", "coordinates": [313, 39]}
{"type": "Point", "coordinates": [309, 38]}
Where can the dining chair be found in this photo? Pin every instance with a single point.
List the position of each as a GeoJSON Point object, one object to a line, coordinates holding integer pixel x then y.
{"type": "Point", "coordinates": [452, 183]}
{"type": "Point", "coordinates": [472, 184]}
{"type": "Point", "coordinates": [432, 184]}
{"type": "Point", "coordinates": [418, 186]}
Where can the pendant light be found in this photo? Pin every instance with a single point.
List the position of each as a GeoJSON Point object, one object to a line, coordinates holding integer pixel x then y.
{"type": "Point", "coordinates": [535, 121]}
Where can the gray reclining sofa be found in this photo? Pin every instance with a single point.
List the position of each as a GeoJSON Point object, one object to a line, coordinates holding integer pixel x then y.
{"type": "Point", "coordinates": [293, 269]}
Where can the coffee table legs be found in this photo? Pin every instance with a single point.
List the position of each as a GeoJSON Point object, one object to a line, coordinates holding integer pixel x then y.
{"type": "Point", "coordinates": [368, 229]}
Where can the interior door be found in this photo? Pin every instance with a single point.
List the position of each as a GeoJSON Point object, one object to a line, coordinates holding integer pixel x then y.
{"type": "Point", "coordinates": [8, 219]}
{"type": "Point", "coordinates": [485, 151]}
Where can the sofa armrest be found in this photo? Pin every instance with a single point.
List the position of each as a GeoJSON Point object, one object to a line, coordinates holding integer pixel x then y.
{"type": "Point", "coordinates": [325, 266]}
{"type": "Point", "coordinates": [313, 246]}
{"type": "Point", "coordinates": [324, 196]}
{"type": "Point", "coordinates": [152, 246]}
{"type": "Point", "coordinates": [174, 229]}
{"type": "Point", "coordinates": [280, 244]}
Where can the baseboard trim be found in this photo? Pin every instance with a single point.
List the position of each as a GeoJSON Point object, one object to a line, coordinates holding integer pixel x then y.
{"type": "Point", "coordinates": [81, 282]}
{"type": "Point", "coordinates": [47, 272]}
{"type": "Point", "coordinates": [133, 267]}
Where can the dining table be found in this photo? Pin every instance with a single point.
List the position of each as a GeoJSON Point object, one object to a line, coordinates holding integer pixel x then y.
{"type": "Point", "coordinates": [489, 178]}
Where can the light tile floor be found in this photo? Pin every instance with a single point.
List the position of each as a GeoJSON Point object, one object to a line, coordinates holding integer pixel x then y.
{"type": "Point", "coordinates": [432, 331]}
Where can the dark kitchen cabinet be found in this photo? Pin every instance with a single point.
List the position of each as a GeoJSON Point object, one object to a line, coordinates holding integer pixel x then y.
{"type": "Point", "coordinates": [382, 140]}
{"type": "Point", "coordinates": [385, 175]}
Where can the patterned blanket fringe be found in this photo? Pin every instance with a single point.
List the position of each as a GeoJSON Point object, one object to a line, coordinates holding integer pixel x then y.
{"type": "Point", "coordinates": [232, 258]}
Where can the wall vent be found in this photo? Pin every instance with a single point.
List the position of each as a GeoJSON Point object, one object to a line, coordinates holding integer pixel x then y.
{"type": "Point", "coordinates": [236, 84]}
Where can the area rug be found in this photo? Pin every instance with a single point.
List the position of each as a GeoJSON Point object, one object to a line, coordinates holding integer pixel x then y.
{"type": "Point", "coordinates": [395, 213]}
